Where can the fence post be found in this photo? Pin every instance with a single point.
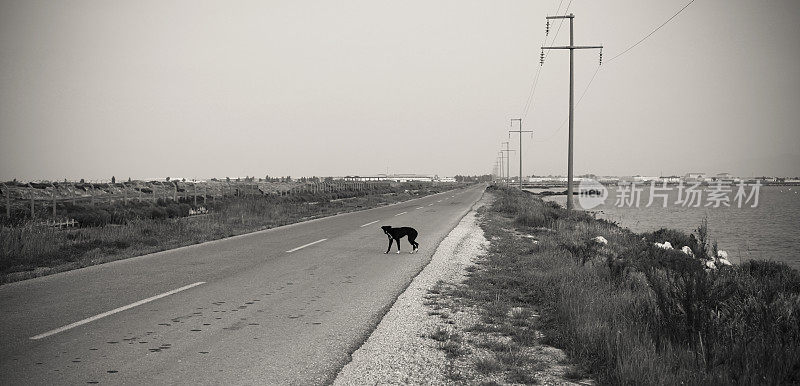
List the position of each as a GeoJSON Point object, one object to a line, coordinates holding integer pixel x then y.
{"type": "Point", "coordinates": [195, 195]}
{"type": "Point", "coordinates": [175, 193]}
{"type": "Point", "coordinates": [8, 200]}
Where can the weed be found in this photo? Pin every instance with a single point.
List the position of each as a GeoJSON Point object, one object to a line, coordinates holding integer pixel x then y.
{"type": "Point", "coordinates": [452, 349]}
{"type": "Point", "coordinates": [523, 376]}
{"type": "Point", "coordinates": [487, 365]}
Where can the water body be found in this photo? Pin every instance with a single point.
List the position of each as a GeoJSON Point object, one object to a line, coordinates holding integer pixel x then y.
{"type": "Point", "coordinates": [769, 231]}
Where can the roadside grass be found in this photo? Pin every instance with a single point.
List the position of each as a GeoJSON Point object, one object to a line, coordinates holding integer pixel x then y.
{"type": "Point", "coordinates": [627, 312]}
{"type": "Point", "coordinates": [116, 231]}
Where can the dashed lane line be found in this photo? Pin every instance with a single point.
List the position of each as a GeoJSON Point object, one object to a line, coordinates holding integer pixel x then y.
{"type": "Point", "coordinates": [303, 246]}
{"type": "Point", "coordinates": [114, 311]}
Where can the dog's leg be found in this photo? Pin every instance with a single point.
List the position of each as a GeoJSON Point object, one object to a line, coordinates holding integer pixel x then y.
{"type": "Point", "coordinates": [414, 245]}
{"type": "Point", "coordinates": [398, 245]}
{"type": "Point", "coordinates": [390, 246]}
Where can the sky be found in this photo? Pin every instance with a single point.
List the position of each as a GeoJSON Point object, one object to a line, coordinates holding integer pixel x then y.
{"type": "Point", "coordinates": [200, 89]}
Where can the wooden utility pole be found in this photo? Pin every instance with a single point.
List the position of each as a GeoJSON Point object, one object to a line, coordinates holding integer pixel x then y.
{"type": "Point", "coordinates": [572, 47]}
{"type": "Point", "coordinates": [32, 206]}
{"type": "Point", "coordinates": [520, 131]}
{"type": "Point", "coordinates": [54, 199]}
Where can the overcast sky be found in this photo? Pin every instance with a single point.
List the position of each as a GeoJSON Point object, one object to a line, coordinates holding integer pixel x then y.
{"type": "Point", "coordinates": [197, 89]}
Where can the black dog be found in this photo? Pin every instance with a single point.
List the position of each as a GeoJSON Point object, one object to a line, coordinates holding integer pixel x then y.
{"type": "Point", "coordinates": [395, 234]}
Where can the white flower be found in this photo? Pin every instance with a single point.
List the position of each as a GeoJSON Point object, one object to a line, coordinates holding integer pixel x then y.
{"type": "Point", "coordinates": [710, 264]}
{"type": "Point", "coordinates": [687, 250]}
{"type": "Point", "coordinates": [724, 261]}
{"type": "Point", "coordinates": [665, 245]}
{"type": "Point", "coordinates": [722, 254]}
{"type": "Point", "coordinates": [600, 240]}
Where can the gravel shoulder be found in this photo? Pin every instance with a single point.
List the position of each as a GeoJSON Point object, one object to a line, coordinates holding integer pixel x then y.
{"type": "Point", "coordinates": [398, 351]}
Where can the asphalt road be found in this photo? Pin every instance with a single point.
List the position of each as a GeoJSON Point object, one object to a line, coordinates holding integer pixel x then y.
{"type": "Point", "coordinates": [251, 309]}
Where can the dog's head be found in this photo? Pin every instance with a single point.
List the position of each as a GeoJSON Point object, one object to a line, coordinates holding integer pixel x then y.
{"type": "Point", "coordinates": [386, 228]}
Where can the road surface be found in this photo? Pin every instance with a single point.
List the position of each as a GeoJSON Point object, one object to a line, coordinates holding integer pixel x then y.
{"type": "Point", "coordinates": [282, 306]}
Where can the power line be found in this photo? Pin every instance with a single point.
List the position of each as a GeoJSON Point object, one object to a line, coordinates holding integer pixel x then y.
{"type": "Point", "coordinates": [654, 31]}
{"type": "Point", "coordinates": [561, 126]}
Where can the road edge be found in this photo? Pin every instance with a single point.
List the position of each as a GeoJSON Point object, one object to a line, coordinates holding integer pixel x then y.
{"type": "Point", "coordinates": [385, 310]}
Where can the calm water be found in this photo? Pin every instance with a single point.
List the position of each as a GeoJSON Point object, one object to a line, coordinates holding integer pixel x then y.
{"type": "Point", "coordinates": [769, 231]}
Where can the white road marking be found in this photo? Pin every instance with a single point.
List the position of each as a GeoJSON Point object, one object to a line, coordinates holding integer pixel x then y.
{"type": "Point", "coordinates": [401, 213]}
{"type": "Point", "coordinates": [431, 204]}
{"type": "Point", "coordinates": [114, 311]}
{"type": "Point", "coordinates": [303, 246]}
{"type": "Point", "coordinates": [421, 207]}
{"type": "Point", "coordinates": [439, 201]}
{"type": "Point", "coordinates": [370, 223]}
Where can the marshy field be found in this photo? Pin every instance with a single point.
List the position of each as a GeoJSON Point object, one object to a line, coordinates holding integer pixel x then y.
{"type": "Point", "coordinates": [625, 310]}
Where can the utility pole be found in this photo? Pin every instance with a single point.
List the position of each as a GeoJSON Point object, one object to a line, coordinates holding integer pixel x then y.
{"type": "Point", "coordinates": [507, 151]}
{"type": "Point", "coordinates": [520, 131]}
{"type": "Point", "coordinates": [501, 166]}
{"type": "Point", "coordinates": [572, 47]}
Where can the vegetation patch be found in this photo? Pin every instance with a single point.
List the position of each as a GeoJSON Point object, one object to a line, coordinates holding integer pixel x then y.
{"type": "Point", "coordinates": [626, 310]}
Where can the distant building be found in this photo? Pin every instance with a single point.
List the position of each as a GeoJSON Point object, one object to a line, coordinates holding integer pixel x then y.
{"type": "Point", "coordinates": [410, 178]}
{"type": "Point", "coordinates": [670, 179]}
{"type": "Point", "coordinates": [724, 177]}
{"type": "Point", "coordinates": [695, 176]}
{"type": "Point", "coordinates": [392, 177]}
{"type": "Point", "coordinates": [380, 177]}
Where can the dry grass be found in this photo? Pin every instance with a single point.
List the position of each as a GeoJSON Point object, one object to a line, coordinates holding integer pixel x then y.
{"type": "Point", "coordinates": [628, 312]}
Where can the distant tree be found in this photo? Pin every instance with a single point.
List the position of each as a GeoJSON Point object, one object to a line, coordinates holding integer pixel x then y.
{"type": "Point", "coordinates": [227, 179]}
{"type": "Point", "coordinates": [129, 179]}
{"type": "Point", "coordinates": [113, 180]}
{"type": "Point", "coordinates": [183, 179]}
{"type": "Point", "coordinates": [82, 181]}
